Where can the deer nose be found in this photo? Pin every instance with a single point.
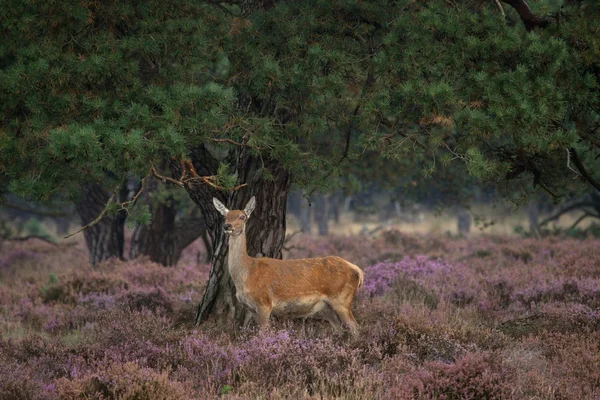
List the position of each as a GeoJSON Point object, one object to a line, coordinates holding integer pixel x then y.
{"type": "Point", "coordinates": [227, 227]}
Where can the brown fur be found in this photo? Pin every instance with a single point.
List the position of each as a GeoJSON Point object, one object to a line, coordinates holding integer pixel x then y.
{"type": "Point", "coordinates": [322, 287]}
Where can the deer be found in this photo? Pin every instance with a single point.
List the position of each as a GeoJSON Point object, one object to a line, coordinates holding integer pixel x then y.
{"type": "Point", "coordinates": [308, 287]}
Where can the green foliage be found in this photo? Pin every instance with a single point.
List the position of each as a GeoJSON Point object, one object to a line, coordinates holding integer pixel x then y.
{"type": "Point", "coordinates": [334, 90]}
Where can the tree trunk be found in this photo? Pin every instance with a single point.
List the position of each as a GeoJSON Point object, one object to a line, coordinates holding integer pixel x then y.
{"type": "Point", "coordinates": [533, 212]}
{"type": "Point", "coordinates": [298, 206]}
{"type": "Point", "coordinates": [335, 202]}
{"type": "Point", "coordinates": [322, 214]}
{"type": "Point", "coordinates": [305, 217]}
{"type": "Point", "coordinates": [265, 231]}
{"type": "Point", "coordinates": [105, 239]}
{"type": "Point", "coordinates": [463, 220]}
{"type": "Point", "coordinates": [164, 238]}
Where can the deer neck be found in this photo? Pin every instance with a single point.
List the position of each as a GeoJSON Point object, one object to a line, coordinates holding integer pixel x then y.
{"type": "Point", "coordinates": [238, 260]}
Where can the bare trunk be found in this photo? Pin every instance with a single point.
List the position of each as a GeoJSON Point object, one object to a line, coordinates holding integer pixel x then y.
{"type": "Point", "coordinates": [305, 217]}
{"type": "Point", "coordinates": [105, 239]}
{"type": "Point", "coordinates": [322, 214]}
{"type": "Point", "coordinates": [265, 231]}
{"type": "Point", "coordinates": [463, 219]}
{"type": "Point", "coordinates": [533, 213]}
{"type": "Point", "coordinates": [164, 238]}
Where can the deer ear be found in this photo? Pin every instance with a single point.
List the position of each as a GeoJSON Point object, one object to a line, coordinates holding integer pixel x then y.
{"type": "Point", "coordinates": [250, 206]}
{"type": "Point", "coordinates": [220, 207]}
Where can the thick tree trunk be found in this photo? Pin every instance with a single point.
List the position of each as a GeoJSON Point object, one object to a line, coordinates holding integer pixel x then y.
{"type": "Point", "coordinates": [164, 238]}
{"type": "Point", "coordinates": [265, 230]}
{"type": "Point", "coordinates": [105, 239]}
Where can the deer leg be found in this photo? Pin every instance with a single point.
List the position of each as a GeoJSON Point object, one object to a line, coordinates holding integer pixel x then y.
{"type": "Point", "coordinates": [263, 314]}
{"type": "Point", "coordinates": [247, 318]}
{"type": "Point", "coordinates": [332, 317]}
{"type": "Point", "coordinates": [345, 314]}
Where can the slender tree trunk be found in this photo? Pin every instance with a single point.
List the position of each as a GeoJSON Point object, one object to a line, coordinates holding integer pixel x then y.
{"type": "Point", "coordinates": [265, 230]}
{"type": "Point", "coordinates": [463, 220]}
{"type": "Point", "coordinates": [533, 212]}
{"type": "Point", "coordinates": [105, 239]}
{"type": "Point", "coordinates": [298, 206]}
{"type": "Point", "coordinates": [322, 214]}
{"type": "Point", "coordinates": [335, 202]}
{"type": "Point", "coordinates": [305, 217]}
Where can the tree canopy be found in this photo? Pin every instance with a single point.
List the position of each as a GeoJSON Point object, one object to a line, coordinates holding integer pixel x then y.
{"type": "Point", "coordinates": [94, 92]}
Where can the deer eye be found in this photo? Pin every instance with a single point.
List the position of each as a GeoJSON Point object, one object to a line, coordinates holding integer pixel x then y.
{"type": "Point", "coordinates": [242, 217]}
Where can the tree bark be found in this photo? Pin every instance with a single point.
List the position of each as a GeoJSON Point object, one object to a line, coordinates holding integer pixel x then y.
{"type": "Point", "coordinates": [530, 20]}
{"type": "Point", "coordinates": [463, 220]}
{"type": "Point", "coordinates": [265, 231]}
{"type": "Point", "coordinates": [165, 237]}
{"type": "Point", "coordinates": [105, 239]}
{"type": "Point", "coordinates": [533, 212]}
{"type": "Point", "coordinates": [322, 214]}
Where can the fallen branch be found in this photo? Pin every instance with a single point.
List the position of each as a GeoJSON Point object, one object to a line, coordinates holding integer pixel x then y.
{"type": "Point", "coordinates": [25, 238]}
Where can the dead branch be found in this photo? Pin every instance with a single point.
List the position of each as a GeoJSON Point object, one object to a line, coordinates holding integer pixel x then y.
{"type": "Point", "coordinates": [97, 219]}
{"type": "Point", "coordinates": [25, 238]}
{"type": "Point", "coordinates": [165, 179]}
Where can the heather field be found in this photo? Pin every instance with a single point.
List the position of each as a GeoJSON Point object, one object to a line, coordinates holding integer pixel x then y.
{"type": "Point", "coordinates": [441, 318]}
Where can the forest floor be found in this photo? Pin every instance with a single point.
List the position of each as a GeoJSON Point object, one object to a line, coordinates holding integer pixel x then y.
{"type": "Point", "coordinates": [486, 317]}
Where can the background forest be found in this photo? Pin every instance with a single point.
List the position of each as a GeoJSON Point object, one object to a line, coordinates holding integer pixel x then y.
{"type": "Point", "coordinates": [449, 148]}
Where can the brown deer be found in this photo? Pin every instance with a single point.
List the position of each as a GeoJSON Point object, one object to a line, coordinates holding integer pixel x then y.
{"type": "Point", "coordinates": [310, 287]}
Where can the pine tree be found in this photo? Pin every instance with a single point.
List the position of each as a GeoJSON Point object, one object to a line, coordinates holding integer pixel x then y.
{"type": "Point", "coordinates": [269, 94]}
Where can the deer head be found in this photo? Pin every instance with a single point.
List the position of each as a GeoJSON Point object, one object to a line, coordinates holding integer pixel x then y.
{"type": "Point", "coordinates": [235, 220]}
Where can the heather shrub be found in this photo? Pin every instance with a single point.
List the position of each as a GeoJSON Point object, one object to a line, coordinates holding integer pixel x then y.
{"type": "Point", "coordinates": [584, 291]}
{"type": "Point", "coordinates": [12, 259]}
{"type": "Point", "coordinates": [318, 365]}
{"type": "Point", "coordinates": [153, 299]}
{"type": "Point", "coordinates": [553, 317]}
{"type": "Point", "coordinates": [575, 361]}
{"type": "Point", "coordinates": [16, 384]}
{"type": "Point", "coordinates": [474, 376]}
{"type": "Point", "coordinates": [67, 289]}
{"type": "Point", "coordinates": [126, 381]}
{"type": "Point", "coordinates": [439, 318]}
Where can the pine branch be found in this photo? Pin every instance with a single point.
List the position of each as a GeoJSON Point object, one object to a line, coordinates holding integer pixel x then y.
{"type": "Point", "coordinates": [229, 141]}
{"type": "Point", "coordinates": [122, 206]}
{"type": "Point", "coordinates": [530, 20]}
{"type": "Point", "coordinates": [581, 168]}
{"type": "Point", "coordinates": [97, 219]}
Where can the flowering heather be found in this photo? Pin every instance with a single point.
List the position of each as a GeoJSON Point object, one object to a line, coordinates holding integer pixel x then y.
{"type": "Point", "coordinates": [479, 318]}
